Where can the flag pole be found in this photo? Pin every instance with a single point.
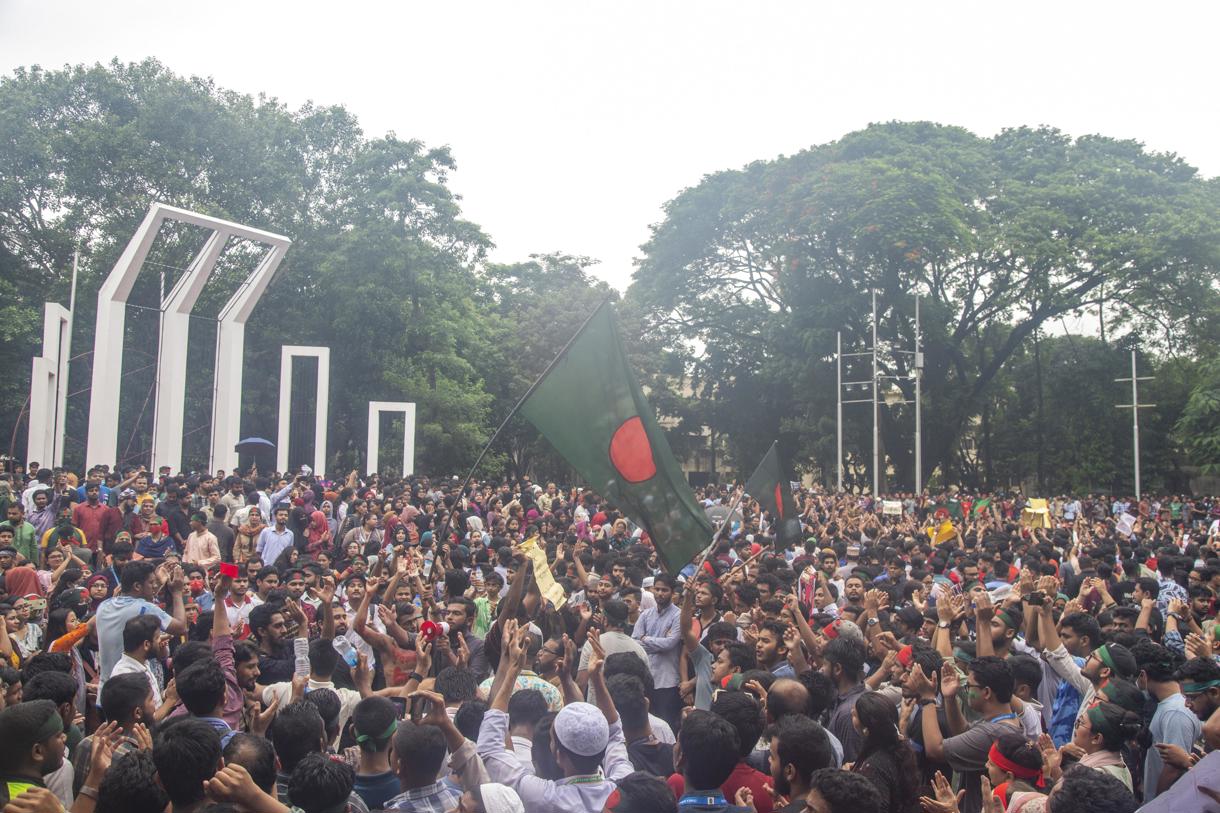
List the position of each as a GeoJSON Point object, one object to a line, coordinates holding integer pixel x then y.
{"type": "Point", "coordinates": [716, 536]}
{"type": "Point", "coordinates": [495, 435]}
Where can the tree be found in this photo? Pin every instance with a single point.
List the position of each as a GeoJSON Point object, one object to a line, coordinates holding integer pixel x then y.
{"type": "Point", "coordinates": [759, 267]}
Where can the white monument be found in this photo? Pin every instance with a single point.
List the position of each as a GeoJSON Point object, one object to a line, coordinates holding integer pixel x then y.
{"type": "Point", "coordinates": [322, 397]}
{"type": "Point", "coordinates": [176, 308]}
{"type": "Point", "coordinates": [408, 441]}
{"type": "Point", "coordinates": [49, 388]}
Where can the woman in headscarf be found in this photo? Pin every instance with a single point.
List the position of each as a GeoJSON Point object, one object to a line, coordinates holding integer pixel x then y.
{"type": "Point", "coordinates": [318, 534]}
{"type": "Point", "coordinates": [99, 591]}
{"type": "Point", "coordinates": [332, 521]}
{"type": "Point", "coordinates": [247, 535]}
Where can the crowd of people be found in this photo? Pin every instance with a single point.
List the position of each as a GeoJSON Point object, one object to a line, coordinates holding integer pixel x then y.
{"type": "Point", "coordinates": [241, 642]}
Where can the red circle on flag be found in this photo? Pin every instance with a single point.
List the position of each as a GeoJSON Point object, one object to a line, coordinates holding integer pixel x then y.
{"type": "Point", "coordinates": [631, 453]}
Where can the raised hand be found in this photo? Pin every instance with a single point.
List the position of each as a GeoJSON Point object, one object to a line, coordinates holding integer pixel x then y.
{"type": "Point", "coordinates": [261, 721]}
{"type": "Point", "coordinates": [984, 610]}
{"type": "Point", "coordinates": [920, 684]}
{"type": "Point", "coordinates": [946, 801]}
{"type": "Point", "coordinates": [950, 682]}
{"type": "Point", "coordinates": [597, 655]}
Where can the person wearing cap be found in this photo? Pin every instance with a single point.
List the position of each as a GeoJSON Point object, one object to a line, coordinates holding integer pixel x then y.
{"type": "Point", "coordinates": [586, 740]}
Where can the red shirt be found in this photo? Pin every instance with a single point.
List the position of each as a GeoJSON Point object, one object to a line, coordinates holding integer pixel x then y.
{"type": "Point", "coordinates": [92, 521]}
{"type": "Point", "coordinates": [742, 776]}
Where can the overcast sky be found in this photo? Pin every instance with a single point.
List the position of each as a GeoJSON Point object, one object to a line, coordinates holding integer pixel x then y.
{"type": "Point", "coordinates": [573, 122]}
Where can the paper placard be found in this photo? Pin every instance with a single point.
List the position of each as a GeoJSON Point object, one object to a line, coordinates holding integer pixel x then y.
{"type": "Point", "coordinates": [891, 507]}
{"type": "Point", "coordinates": [550, 589]}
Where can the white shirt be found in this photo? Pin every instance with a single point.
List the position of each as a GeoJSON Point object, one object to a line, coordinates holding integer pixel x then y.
{"type": "Point", "coordinates": [128, 665]}
{"type": "Point", "coordinates": [283, 692]}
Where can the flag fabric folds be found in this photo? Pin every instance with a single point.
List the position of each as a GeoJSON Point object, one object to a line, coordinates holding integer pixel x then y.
{"type": "Point", "coordinates": [592, 410]}
{"type": "Point", "coordinates": [769, 484]}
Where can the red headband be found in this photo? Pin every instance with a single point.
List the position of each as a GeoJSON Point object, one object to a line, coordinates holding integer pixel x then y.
{"type": "Point", "coordinates": [906, 656]}
{"type": "Point", "coordinates": [831, 630]}
{"type": "Point", "coordinates": [1019, 771]}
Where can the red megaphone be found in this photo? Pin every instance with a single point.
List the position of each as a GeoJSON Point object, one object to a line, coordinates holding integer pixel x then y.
{"type": "Point", "coordinates": [430, 630]}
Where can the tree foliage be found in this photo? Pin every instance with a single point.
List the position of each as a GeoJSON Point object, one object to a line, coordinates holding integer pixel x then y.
{"type": "Point", "coordinates": [753, 271]}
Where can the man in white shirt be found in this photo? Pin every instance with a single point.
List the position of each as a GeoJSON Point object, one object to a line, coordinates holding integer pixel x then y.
{"type": "Point", "coordinates": [142, 641]}
{"type": "Point", "coordinates": [323, 658]}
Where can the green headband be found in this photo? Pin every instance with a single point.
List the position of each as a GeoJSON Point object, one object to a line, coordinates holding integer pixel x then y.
{"type": "Point", "coordinates": [1103, 652]}
{"type": "Point", "coordinates": [1098, 720]}
{"type": "Point", "coordinates": [53, 726]}
{"type": "Point", "coordinates": [1012, 619]}
{"type": "Point", "coordinates": [385, 735]}
{"type": "Point", "coordinates": [963, 655]}
{"type": "Point", "coordinates": [1196, 688]}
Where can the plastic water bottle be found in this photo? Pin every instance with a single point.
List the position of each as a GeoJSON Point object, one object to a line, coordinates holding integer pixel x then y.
{"type": "Point", "coordinates": [300, 651]}
{"type": "Point", "coordinates": [346, 651]}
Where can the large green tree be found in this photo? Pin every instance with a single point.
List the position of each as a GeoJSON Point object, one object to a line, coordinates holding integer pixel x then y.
{"type": "Point", "coordinates": [382, 266]}
{"type": "Point", "coordinates": [753, 271]}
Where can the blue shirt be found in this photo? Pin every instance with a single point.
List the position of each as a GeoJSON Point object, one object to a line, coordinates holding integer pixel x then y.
{"type": "Point", "coordinates": [112, 615]}
{"type": "Point", "coordinates": [271, 543]}
{"type": "Point", "coordinates": [659, 632]}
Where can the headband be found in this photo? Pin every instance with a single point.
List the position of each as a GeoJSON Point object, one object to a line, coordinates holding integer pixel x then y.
{"type": "Point", "coordinates": [1103, 652]}
{"type": "Point", "coordinates": [1011, 618]}
{"type": "Point", "coordinates": [385, 735]}
{"type": "Point", "coordinates": [1196, 688]}
{"type": "Point", "coordinates": [906, 656]}
{"type": "Point", "coordinates": [53, 726]}
{"type": "Point", "coordinates": [963, 655]}
{"type": "Point", "coordinates": [831, 630]}
{"type": "Point", "coordinates": [1019, 771]}
{"type": "Point", "coordinates": [1097, 719]}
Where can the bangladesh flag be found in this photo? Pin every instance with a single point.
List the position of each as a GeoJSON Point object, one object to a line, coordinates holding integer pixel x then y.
{"type": "Point", "coordinates": [769, 484]}
{"type": "Point", "coordinates": [981, 506]}
{"type": "Point", "coordinates": [590, 407]}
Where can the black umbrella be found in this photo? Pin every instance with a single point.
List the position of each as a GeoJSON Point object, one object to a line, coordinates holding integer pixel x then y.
{"type": "Point", "coordinates": [255, 447]}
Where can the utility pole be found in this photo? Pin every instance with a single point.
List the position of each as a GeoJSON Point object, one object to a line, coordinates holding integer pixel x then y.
{"type": "Point", "coordinates": [918, 367]}
{"type": "Point", "coordinates": [839, 410]}
{"type": "Point", "coordinates": [876, 411]}
{"type": "Point", "coordinates": [1135, 406]}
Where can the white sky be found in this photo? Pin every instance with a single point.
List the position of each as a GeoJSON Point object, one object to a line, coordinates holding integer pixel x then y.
{"type": "Point", "coordinates": [573, 122]}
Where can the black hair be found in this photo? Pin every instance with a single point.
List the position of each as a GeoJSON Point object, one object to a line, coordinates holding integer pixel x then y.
{"type": "Point", "coordinates": [255, 754]}
{"type": "Point", "coordinates": [123, 694]}
{"type": "Point", "coordinates": [1025, 670]}
{"type": "Point", "coordinates": [1125, 664]}
{"type": "Point", "coordinates": [742, 656]}
{"type": "Point", "coordinates": [710, 749]}
{"type": "Point", "coordinates": [848, 653]}
{"type": "Point", "coordinates": [1084, 788]}
{"type": "Point", "coordinates": [993, 673]}
{"type": "Point", "coordinates": [57, 687]}
{"type": "Point", "coordinates": [419, 749]}
{"type": "Point", "coordinates": [846, 792]}
{"type": "Point", "coordinates": [803, 744]}
{"type": "Point", "coordinates": [46, 662]}
{"type": "Point", "coordinates": [260, 617]}
{"type": "Point", "coordinates": [136, 572]}
{"type": "Point", "coordinates": [545, 765]}
{"type": "Point", "coordinates": [1084, 625]}
{"type": "Point", "coordinates": [372, 719]}
{"type": "Point", "coordinates": [1126, 694]}
{"type": "Point", "coordinates": [744, 713]}
{"type": "Point", "coordinates": [1014, 746]}
{"type": "Point", "coordinates": [298, 730]}
{"type": "Point", "coordinates": [526, 707]}
{"type": "Point", "coordinates": [641, 792]}
{"type": "Point", "coordinates": [1158, 662]}
{"type": "Point", "coordinates": [628, 663]}
{"type": "Point", "coordinates": [469, 718]}
{"type": "Point", "coordinates": [130, 785]}
{"type": "Point", "coordinates": [201, 687]}
{"type": "Point", "coordinates": [629, 698]}
{"type": "Point", "coordinates": [20, 726]}
{"type": "Point", "coordinates": [1118, 727]}
{"type": "Point", "coordinates": [1149, 585]}
{"type": "Point", "coordinates": [328, 704]}
{"type": "Point", "coordinates": [456, 684]}
{"type": "Point", "coordinates": [190, 653]}
{"type": "Point", "coordinates": [186, 752]}
{"type": "Point", "coordinates": [319, 783]}
{"type": "Point", "coordinates": [140, 630]}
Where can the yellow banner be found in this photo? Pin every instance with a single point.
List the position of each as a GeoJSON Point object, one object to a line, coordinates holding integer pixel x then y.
{"type": "Point", "coordinates": [550, 589]}
{"type": "Point", "coordinates": [942, 534]}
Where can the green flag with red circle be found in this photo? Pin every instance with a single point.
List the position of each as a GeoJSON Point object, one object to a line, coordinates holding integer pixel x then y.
{"type": "Point", "coordinates": [771, 486]}
{"type": "Point", "coordinates": [592, 410]}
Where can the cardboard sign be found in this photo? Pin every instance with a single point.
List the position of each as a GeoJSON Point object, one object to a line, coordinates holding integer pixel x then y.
{"type": "Point", "coordinates": [1126, 525]}
{"type": "Point", "coordinates": [892, 508]}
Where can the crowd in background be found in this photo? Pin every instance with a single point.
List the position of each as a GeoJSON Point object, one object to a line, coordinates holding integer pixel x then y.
{"type": "Point", "coordinates": [264, 643]}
